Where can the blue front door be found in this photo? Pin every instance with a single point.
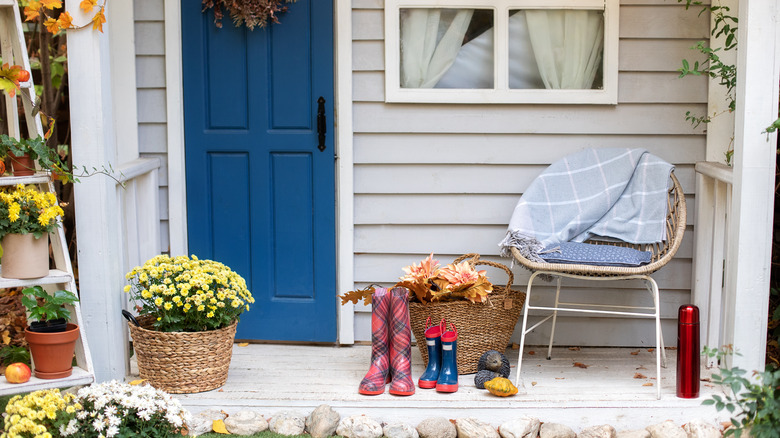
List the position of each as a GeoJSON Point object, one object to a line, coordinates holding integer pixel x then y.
{"type": "Point", "coordinates": [260, 192]}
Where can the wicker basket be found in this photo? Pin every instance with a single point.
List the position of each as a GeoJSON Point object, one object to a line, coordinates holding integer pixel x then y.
{"type": "Point", "coordinates": [183, 362]}
{"type": "Point", "coordinates": [481, 327]}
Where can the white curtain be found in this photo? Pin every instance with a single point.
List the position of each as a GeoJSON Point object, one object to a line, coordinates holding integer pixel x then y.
{"type": "Point", "coordinates": [568, 46]}
{"type": "Point", "coordinates": [430, 41]}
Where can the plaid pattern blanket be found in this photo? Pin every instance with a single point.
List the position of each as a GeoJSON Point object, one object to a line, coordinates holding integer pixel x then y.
{"type": "Point", "coordinates": [595, 193]}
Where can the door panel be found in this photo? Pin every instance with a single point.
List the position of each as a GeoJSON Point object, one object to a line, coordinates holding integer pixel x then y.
{"type": "Point", "coordinates": [260, 195]}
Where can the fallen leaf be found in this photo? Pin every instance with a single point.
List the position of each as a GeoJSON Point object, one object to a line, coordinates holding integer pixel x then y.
{"type": "Point", "coordinates": [648, 384]}
{"type": "Point", "coordinates": [243, 344]}
{"type": "Point", "coordinates": [580, 365]}
{"type": "Point", "coordinates": [650, 350]}
{"type": "Point", "coordinates": [219, 427]}
{"type": "Point", "coordinates": [705, 379]}
{"type": "Point", "coordinates": [634, 353]}
{"type": "Point", "coordinates": [137, 382]}
{"type": "Point", "coordinates": [533, 383]}
{"type": "Point", "coordinates": [221, 390]}
{"type": "Point", "coordinates": [640, 376]}
{"type": "Point", "coordinates": [560, 378]}
{"type": "Point", "coordinates": [708, 385]}
{"type": "Point", "coordinates": [726, 424]}
{"type": "Point", "coordinates": [671, 348]}
{"type": "Point", "coordinates": [531, 353]}
{"type": "Point", "coordinates": [515, 346]}
{"type": "Point", "coordinates": [574, 348]}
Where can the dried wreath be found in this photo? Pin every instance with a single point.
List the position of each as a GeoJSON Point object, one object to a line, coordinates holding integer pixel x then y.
{"type": "Point", "coordinates": [249, 12]}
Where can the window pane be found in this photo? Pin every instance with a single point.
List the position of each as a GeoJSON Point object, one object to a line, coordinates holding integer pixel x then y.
{"type": "Point", "coordinates": [446, 48]}
{"type": "Point", "coordinates": [556, 49]}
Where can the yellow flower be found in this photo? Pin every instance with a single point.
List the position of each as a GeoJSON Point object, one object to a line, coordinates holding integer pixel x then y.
{"type": "Point", "coordinates": [210, 314]}
{"type": "Point", "coordinates": [168, 306]}
{"type": "Point", "coordinates": [158, 301]}
{"type": "Point", "coordinates": [127, 288]}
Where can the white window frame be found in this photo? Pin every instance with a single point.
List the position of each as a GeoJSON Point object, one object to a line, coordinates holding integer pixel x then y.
{"type": "Point", "coordinates": [501, 93]}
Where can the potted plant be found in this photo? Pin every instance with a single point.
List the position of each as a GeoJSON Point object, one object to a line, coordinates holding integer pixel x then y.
{"type": "Point", "coordinates": [25, 152]}
{"type": "Point", "coordinates": [189, 309]}
{"type": "Point", "coordinates": [51, 338]}
{"type": "Point", "coordinates": [27, 215]}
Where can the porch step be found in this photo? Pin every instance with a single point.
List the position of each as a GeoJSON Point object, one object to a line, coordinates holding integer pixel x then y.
{"type": "Point", "coordinates": [270, 378]}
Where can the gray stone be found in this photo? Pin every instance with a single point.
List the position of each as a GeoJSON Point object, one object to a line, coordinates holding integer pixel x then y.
{"type": "Point", "coordinates": [667, 429]}
{"type": "Point", "coordinates": [642, 433]}
{"type": "Point", "coordinates": [322, 422]}
{"type": "Point", "coordinates": [555, 430]}
{"type": "Point", "coordinates": [287, 423]}
{"type": "Point", "coordinates": [523, 427]}
{"type": "Point", "coordinates": [245, 423]}
{"type": "Point", "coordinates": [602, 431]}
{"type": "Point", "coordinates": [699, 428]}
{"type": "Point", "coordinates": [400, 430]}
{"type": "Point", "coordinates": [437, 427]}
{"type": "Point", "coordinates": [473, 428]}
{"type": "Point", "coordinates": [359, 426]}
{"type": "Point", "coordinates": [213, 414]}
{"type": "Point", "coordinates": [199, 425]}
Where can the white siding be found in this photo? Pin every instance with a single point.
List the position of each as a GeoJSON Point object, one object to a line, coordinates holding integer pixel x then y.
{"type": "Point", "coordinates": [150, 86]}
{"type": "Point", "coordinates": [444, 178]}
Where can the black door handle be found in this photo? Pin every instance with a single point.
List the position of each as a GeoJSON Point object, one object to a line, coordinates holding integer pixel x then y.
{"type": "Point", "coordinates": [321, 123]}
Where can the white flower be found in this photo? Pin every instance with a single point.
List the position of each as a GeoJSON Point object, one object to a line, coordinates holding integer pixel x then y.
{"type": "Point", "coordinates": [112, 431]}
{"type": "Point", "coordinates": [98, 425]}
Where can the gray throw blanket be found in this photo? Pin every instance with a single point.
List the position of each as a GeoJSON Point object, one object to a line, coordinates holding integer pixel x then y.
{"type": "Point", "coordinates": [593, 194]}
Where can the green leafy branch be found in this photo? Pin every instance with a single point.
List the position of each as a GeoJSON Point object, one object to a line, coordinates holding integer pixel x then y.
{"type": "Point", "coordinates": [45, 307]}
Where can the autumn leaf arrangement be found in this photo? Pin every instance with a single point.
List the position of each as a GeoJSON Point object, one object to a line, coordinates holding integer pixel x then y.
{"type": "Point", "coordinates": [251, 13]}
{"type": "Point", "coordinates": [429, 282]}
{"type": "Point", "coordinates": [46, 9]}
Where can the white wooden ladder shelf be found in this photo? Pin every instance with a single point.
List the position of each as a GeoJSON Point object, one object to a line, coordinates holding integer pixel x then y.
{"type": "Point", "coordinates": [14, 52]}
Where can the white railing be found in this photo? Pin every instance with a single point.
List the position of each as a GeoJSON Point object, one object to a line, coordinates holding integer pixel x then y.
{"type": "Point", "coordinates": [138, 195]}
{"type": "Point", "coordinates": [711, 254]}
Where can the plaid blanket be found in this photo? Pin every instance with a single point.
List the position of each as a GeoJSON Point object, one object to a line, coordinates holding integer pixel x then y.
{"type": "Point", "coordinates": [592, 194]}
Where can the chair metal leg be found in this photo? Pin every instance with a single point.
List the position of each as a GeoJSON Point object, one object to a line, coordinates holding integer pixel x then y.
{"type": "Point", "coordinates": [554, 318]}
{"type": "Point", "coordinates": [658, 337]}
{"type": "Point", "coordinates": [524, 330]}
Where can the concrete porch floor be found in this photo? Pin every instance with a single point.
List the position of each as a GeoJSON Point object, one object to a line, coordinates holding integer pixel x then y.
{"type": "Point", "coordinates": [612, 390]}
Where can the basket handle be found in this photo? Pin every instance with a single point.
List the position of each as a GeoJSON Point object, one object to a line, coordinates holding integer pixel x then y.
{"type": "Point", "coordinates": [475, 260]}
{"type": "Point", "coordinates": [472, 255]}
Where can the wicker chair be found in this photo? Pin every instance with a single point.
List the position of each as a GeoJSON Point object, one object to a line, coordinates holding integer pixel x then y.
{"type": "Point", "coordinates": [662, 253]}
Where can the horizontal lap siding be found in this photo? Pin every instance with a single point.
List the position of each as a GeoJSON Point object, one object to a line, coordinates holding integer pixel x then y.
{"type": "Point", "coordinates": [150, 88]}
{"type": "Point", "coordinates": [444, 179]}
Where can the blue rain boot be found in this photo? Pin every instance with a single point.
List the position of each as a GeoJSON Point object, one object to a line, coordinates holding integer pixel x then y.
{"type": "Point", "coordinates": [433, 341]}
{"type": "Point", "coordinates": [448, 375]}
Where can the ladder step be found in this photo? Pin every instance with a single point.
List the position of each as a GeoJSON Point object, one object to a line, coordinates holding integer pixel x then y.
{"type": "Point", "coordinates": [55, 277]}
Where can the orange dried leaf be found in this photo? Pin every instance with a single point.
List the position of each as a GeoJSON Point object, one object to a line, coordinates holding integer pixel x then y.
{"type": "Point", "coordinates": [634, 353]}
{"type": "Point", "coordinates": [580, 365]}
{"type": "Point", "coordinates": [98, 20]}
{"type": "Point", "coordinates": [533, 383]}
{"type": "Point", "coordinates": [51, 4]}
{"type": "Point", "coordinates": [243, 344]}
{"type": "Point", "coordinates": [531, 353]}
{"type": "Point", "coordinates": [356, 295]}
{"type": "Point", "coordinates": [137, 382]}
{"type": "Point", "coordinates": [639, 376]}
{"type": "Point", "coordinates": [648, 384]}
{"type": "Point", "coordinates": [574, 348]}
{"type": "Point", "coordinates": [65, 21]}
{"type": "Point", "coordinates": [52, 25]}
{"type": "Point", "coordinates": [650, 350]}
{"type": "Point", "coordinates": [32, 10]}
{"type": "Point", "coordinates": [87, 5]}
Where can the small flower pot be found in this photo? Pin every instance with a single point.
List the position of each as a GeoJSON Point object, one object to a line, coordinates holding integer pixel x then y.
{"type": "Point", "coordinates": [24, 256]}
{"type": "Point", "coordinates": [22, 165]}
{"type": "Point", "coordinates": [53, 326]}
{"type": "Point", "coordinates": [52, 353]}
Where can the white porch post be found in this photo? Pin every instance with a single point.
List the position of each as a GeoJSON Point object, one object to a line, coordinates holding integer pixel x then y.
{"type": "Point", "coordinates": [754, 174]}
{"type": "Point", "coordinates": [97, 225]}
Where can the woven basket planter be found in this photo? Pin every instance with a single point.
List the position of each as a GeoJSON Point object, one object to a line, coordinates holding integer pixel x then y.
{"type": "Point", "coordinates": [183, 362]}
{"type": "Point", "coordinates": [481, 327]}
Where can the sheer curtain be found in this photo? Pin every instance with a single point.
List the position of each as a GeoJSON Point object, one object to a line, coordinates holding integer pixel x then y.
{"type": "Point", "coordinates": [568, 45]}
{"type": "Point", "coordinates": [430, 41]}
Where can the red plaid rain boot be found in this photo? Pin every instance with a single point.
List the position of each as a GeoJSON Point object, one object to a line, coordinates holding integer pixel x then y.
{"type": "Point", "coordinates": [400, 343]}
{"type": "Point", "coordinates": [374, 382]}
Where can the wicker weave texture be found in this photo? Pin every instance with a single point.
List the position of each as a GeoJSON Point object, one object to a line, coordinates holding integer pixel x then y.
{"type": "Point", "coordinates": [662, 252]}
{"type": "Point", "coordinates": [183, 362]}
{"type": "Point", "coordinates": [481, 327]}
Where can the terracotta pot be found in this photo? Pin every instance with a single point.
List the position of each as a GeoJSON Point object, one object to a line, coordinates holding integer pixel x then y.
{"type": "Point", "coordinates": [52, 353]}
{"type": "Point", "coordinates": [24, 256]}
{"type": "Point", "coordinates": [22, 166]}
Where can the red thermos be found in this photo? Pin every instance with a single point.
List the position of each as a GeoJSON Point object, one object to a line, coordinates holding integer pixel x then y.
{"type": "Point", "coordinates": [688, 354]}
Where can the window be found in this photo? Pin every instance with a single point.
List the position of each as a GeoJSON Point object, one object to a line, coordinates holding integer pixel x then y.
{"type": "Point", "coordinates": [501, 51]}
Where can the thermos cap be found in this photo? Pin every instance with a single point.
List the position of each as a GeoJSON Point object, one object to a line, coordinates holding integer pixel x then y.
{"type": "Point", "coordinates": [688, 314]}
